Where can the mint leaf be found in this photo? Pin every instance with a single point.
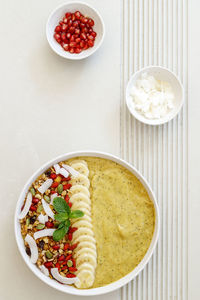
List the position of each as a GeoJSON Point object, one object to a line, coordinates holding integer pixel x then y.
{"type": "Point", "coordinates": [60, 205]}
{"type": "Point", "coordinates": [62, 224]}
{"type": "Point", "coordinates": [61, 217]}
{"type": "Point", "coordinates": [60, 232]}
{"type": "Point", "coordinates": [76, 214]}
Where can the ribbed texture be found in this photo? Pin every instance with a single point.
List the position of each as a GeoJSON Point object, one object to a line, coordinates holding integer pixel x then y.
{"type": "Point", "coordinates": [154, 32]}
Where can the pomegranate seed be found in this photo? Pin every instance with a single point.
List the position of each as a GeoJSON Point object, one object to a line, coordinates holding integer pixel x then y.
{"type": "Point", "coordinates": [56, 247]}
{"type": "Point", "coordinates": [77, 14]}
{"type": "Point", "coordinates": [68, 257]}
{"type": "Point", "coordinates": [64, 268]}
{"type": "Point", "coordinates": [63, 36]}
{"type": "Point", "coordinates": [73, 17]}
{"type": "Point", "coordinates": [74, 262]}
{"type": "Point", "coordinates": [82, 25]}
{"type": "Point", "coordinates": [85, 30]}
{"type": "Point", "coordinates": [53, 192]}
{"type": "Point", "coordinates": [66, 246]}
{"type": "Point", "coordinates": [90, 30]}
{"type": "Point", "coordinates": [73, 229]}
{"type": "Point", "coordinates": [77, 40]}
{"type": "Point", "coordinates": [48, 264]}
{"type": "Point", "coordinates": [71, 50]}
{"type": "Point", "coordinates": [61, 23]}
{"type": "Point", "coordinates": [58, 29]}
{"type": "Point", "coordinates": [68, 185]}
{"type": "Point", "coordinates": [72, 38]}
{"type": "Point", "coordinates": [61, 258]}
{"type": "Point", "coordinates": [91, 22]}
{"type": "Point", "coordinates": [69, 22]}
{"type": "Point", "coordinates": [57, 36]}
{"type": "Point", "coordinates": [85, 47]}
{"type": "Point", "coordinates": [66, 47]}
{"type": "Point", "coordinates": [64, 27]}
{"type": "Point", "coordinates": [54, 184]}
{"type": "Point", "coordinates": [93, 33]}
{"type": "Point", "coordinates": [65, 21]}
{"type": "Point", "coordinates": [33, 208]}
{"type": "Point", "coordinates": [73, 246]}
{"type": "Point", "coordinates": [68, 35]}
{"type": "Point", "coordinates": [71, 29]}
{"type": "Point", "coordinates": [67, 198]}
{"type": "Point", "coordinates": [72, 269]}
{"type": "Point", "coordinates": [49, 224]}
{"type": "Point", "coordinates": [57, 265]}
{"type": "Point", "coordinates": [53, 176]}
{"type": "Point", "coordinates": [73, 44]}
{"type": "Point", "coordinates": [68, 14]}
{"type": "Point", "coordinates": [70, 204]}
{"type": "Point", "coordinates": [90, 43]}
{"type": "Point", "coordinates": [90, 37]}
{"type": "Point", "coordinates": [70, 275]}
{"type": "Point", "coordinates": [85, 20]}
{"type": "Point", "coordinates": [77, 31]}
{"type": "Point", "coordinates": [82, 44]}
{"type": "Point", "coordinates": [69, 236]}
{"type": "Point", "coordinates": [83, 36]}
{"type": "Point", "coordinates": [75, 24]}
{"type": "Point", "coordinates": [35, 200]}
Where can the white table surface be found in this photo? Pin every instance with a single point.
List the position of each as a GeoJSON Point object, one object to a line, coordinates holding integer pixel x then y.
{"type": "Point", "coordinates": [50, 106]}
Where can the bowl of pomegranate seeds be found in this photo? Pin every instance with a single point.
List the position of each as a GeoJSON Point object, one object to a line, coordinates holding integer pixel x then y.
{"type": "Point", "coordinates": [75, 30]}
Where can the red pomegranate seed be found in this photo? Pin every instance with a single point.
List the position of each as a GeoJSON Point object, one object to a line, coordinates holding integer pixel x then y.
{"type": "Point", "coordinates": [49, 224]}
{"type": "Point", "coordinates": [64, 268]}
{"type": "Point", "coordinates": [78, 40]}
{"type": "Point", "coordinates": [90, 30]}
{"type": "Point", "coordinates": [90, 22]}
{"type": "Point", "coordinates": [69, 236]}
{"type": "Point", "coordinates": [35, 200]}
{"type": "Point", "coordinates": [71, 50]}
{"type": "Point", "coordinates": [68, 257]}
{"type": "Point", "coordinates": [90, 43]}
{"type": "Point", "coordinates": [82, 44]}
{"type": "Point", "coordinates": [75, 24]}
{"type": "Point", "coordinates": [73, 44]}
{"type": "Point", "coordinates": [61, 23]}
{"type": "Point", "coordinates": [56, 247]}
{"type": "Point", "coordinates": [57, 266]}
{"type": "Point", "coordinates": [69, 22]}
{"type": "Point", "coordinates": [85, 30]}
{"type": "Point", "coordinates": [64, 27]}
{"type": "Point", "coordinates": [72, 269]}
{"type": "Point", "coordinates": [74, 262]}
{"type": "Point", "coordinates": [65, 21]}
{"type": "Point", "coordinates": [71, 29]}
{"type": "Point", "coordinates": [70, 275]}
{"type": "Point", "coordinates": [58, 29]}
{"type": "Point", "coordinates": [57, 36]}
{"type": "Point", "coordinates": [54, 184]}
{"type": "Point", "coordinates": [72, 247]}
{"type": "Point", "coordinates": [90, 37]}
{"type": "Point", "coordinates": [93, 33]}
{"type": "Point", "coordinates": [68, 14]}
{"type": "Point", "coordinates": [61, 258]}
{"type": "Point", "coordinates": [68, 185]}
{"type": "Point", "coordinates": [83, 36]}
{"type": "Point", "coordinates": [77, 31]}
{"type": "Point", "coordinates": [70, 204]}
{"type": "Point", "coordinates": [82, 25]}
{"type": "Point", "coordinates": [73, 17]}
{"type": "Point", "coordinates": [48, 264]}
{"type": "Point", "coordinates": [66, 47]}
{"type": "Point", "coordinates": [85, 47]}
{"type": "Point", "coordinates": [63, 36]}
{"type": "Point", "coordinates": [85, 20]}
{"type": "Point", "coordinates": [33, 208]}
{"type": "Point", "coordinates": [68, 35]}
{"type": "Point", "coordinates": [67, 198]}
{"type": "Point", "coordinates": [74, 229]}
{"type": "Point", "coordinates": [66, 246]}
{"type": "Point", "coordinates": [77, 15]}
{"type": "Point", "coordinates": [53, 192]}
{"type": "Point", "coordinates": [72, 38]}
{"type": "Point", "coordinates": [53, 176]}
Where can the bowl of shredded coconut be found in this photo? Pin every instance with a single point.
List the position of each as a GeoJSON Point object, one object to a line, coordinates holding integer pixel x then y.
{"type": "Point", "coordinates": [154, 95]}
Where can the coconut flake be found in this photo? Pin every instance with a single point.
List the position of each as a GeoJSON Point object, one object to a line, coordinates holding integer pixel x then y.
{"type": "Point", "coordinates": [71, 170]}
{"type": "Point", "coordinates": [42, 233]}
{"type": "Point", "coordinates": [45, 186]}
{"type": "Point", "coordinates": [47, 209]}
{"type": "Point", "coordinates": [62, 279]}
{"type": "Point", "coordinates": [42, 218]}
{"type": "Point", "coordinates": [57, 168]}
{"type": "Point", "coordinates": [52, 197]}
{"type": "Point", "coordinates": [44, 270]}
{"type": "Point", "coordinates": [27, 206]}
{"type": "Point", "coordinates": [33, 247]}
{"type": "Point", "coordinates": [64, 172]}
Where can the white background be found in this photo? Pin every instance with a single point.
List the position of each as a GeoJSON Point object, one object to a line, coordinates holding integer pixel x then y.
{"type": "Point", "coordinates": [50, 106]}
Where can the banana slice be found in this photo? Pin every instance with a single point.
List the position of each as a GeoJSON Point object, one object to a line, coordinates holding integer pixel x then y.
{"type": "Point", "coordinates": [81, 168]}
{"type": "Point", "coordinates": [81, 231]}
{"type": "Point", "coordinates": [76, 161]}
{"type": "Point", "coordinates": [80, 179]}
{"type": "Point", "coordinates": [82, 223]}
{"type": "Point", "coordinates": [85, 251]}
{"type": "Point", "coordinates": [84, 218]}
{"type": "Point", "coordinates": [86, 257]}
{"type": "Point", "coordinates": [85, 244]}
{"type": "Point", "coordinates": [80, 197]}
{"type": "Point", "coordinates": [86, 266]}
{"type": "Point", "coordinates": [85, 238]}
{"type": "Point", "coordinates": [80, 205]}
{"type": "Point", "coordinates": [86, 212]}
{"type": "Point", "coordinates": [85, 279]}
{"type": "Point", "coordinates": [75, 189]}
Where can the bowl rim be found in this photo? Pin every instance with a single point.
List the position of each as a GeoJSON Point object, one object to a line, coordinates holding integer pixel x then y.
{"type": "Point", "coordinates": [77, 57]}
{"type": "Point", "coordinates": [154, 122]}
{"type": "Point", "coordinates": [112, 286]}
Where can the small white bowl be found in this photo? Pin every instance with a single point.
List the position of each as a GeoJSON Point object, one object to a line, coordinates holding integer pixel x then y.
{"type": "Point", "coordinates": [159, 73]}
{"type": "Point", "coordinates": [86, 10]}
{"type": "Point", "coordinates": [70, 289]}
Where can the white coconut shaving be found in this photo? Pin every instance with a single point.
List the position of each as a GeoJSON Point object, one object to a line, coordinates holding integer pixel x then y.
{"type": "Point", "coordinates": [44, 270]}
{"type": "Point", "coordinates": [62, 279]}
{"type": "Point", "coordinates": [42, 218]}
{"type": "Point", "coordinates": [42, 233]}
{"type": "Point", "coordinates": [27, 206]}
{"type": "Point", "coordinates": [57, 168]}
{"type": "Point", "coordinates": [47, 209]}
{"type": "Point", "coordinates": [52, 197]}
{"type": "Point", "coordinates": [42, 189]}
{"type": "Point", "coordinates": [71, 170]}
{"type": "Point", "coordinates": [33, 248]}
{"type": "Point", "coordinates": [64, 172]}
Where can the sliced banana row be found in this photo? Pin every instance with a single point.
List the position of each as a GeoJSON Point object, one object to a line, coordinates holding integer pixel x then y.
{"type": "Point", "coordinates": [85, 253]}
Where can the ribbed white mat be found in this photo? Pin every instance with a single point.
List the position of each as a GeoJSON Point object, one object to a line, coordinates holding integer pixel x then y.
{"type": "Point", "coordinates": [155, 32]}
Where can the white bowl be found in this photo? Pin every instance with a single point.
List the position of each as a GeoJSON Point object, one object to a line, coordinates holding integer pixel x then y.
{"type": "Point", "coordinates": [70, 289]}
{"type": "Point", "coordinates": [86, 10]}
{"type": "Point", "coordinates": [161, 74]}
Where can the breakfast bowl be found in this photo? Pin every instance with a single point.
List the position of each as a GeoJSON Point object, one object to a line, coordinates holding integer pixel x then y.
{"type": "Point", "coordinates": [136, 222]}
{"type": "Point", "coordinates": [89, 13]}
{"type": "Point", "coordinates": [154, 95]}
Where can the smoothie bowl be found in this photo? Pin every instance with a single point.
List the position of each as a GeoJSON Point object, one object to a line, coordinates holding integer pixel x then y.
{"type": "Point", "coordinates": [86, 223]}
